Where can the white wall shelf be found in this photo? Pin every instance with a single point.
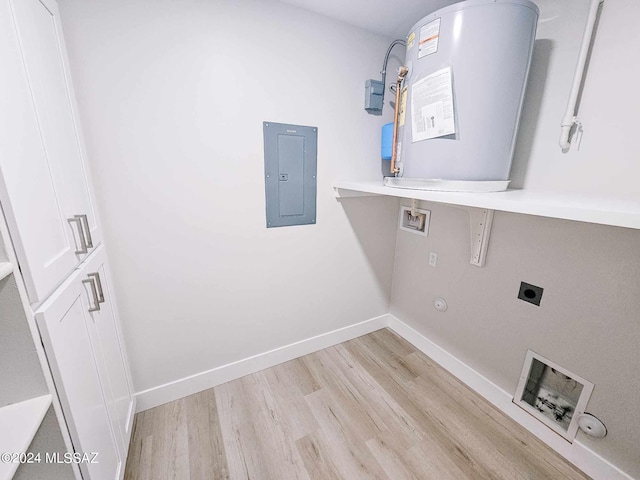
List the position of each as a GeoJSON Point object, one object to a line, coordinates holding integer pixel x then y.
{"type": "Point", "coordinates": [581, 208]}
{"type": "Point", "coordinates": [19, 423]}
{"type": "Point", "coordinates": [6, 269]}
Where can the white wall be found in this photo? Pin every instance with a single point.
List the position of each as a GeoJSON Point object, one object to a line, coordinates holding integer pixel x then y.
{"type": "Point", "coordinates": [605, 162]}
{"type": "Point", "coordinates": [588, 319]}
{"type": "Point", "coordinates": [173, 96]}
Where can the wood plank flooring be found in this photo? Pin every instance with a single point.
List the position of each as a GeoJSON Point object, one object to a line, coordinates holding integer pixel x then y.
{"type": "Point", "coordinates": [371, 408]}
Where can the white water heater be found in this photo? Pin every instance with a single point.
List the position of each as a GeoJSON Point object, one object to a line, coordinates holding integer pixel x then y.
{"type": "Point", "coordinates": [460, 102]}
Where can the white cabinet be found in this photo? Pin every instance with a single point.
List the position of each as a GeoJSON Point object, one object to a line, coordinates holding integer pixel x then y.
{"type": "Point", "coordinates": [79, 329]}
{"type": "Point", "coordinates": [30, 415]}
{"type": "Point", "coordinates": [108, 345]}
{"type": "Point", "coordinates": [45, 186]}
{"type": "Point", "coordinates": [63, 324]}
{"type": "Point", "coordinates": [47, 200]}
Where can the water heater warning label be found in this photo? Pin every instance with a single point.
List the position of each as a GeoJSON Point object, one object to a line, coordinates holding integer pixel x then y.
{"type": "Point", "coordinates": [429, 35]}
{"type": "Point", "coordinates": [432, 113]}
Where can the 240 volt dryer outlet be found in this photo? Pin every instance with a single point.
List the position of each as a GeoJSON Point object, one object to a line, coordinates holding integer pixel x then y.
{"type": "Point", "coordinates": [530, 293]}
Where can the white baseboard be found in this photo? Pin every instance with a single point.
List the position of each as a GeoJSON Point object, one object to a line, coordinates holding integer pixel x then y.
{"type": "Point", "coordinates": [582, 457]}
{"type": "Point", "coordinates": [204, 380]}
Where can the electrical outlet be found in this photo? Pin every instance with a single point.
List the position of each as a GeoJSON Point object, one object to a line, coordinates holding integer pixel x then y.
{"type": "Point", "coordinates": [433, 259]}
{"type": "Point", "coordinates": [530, 293]}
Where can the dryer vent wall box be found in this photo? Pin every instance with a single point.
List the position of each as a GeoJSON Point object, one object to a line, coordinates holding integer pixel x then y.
{"type": "Point", "coordinates": [290, 165]}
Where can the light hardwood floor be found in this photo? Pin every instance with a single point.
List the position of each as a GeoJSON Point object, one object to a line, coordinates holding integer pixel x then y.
{"type": "Point", "coordinates": [371, 408]}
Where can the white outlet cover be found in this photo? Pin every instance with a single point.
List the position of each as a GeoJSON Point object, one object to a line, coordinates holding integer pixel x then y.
{"type": "Point", "coordinates": [433, 259]}
{"type": "Point", "coordinates": [592, 426]}
{"type": "Point", "coordinates": [440, 304]}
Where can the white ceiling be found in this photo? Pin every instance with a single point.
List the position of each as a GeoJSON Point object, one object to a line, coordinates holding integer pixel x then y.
{"type": "Point", "coordinates": [391, 18]}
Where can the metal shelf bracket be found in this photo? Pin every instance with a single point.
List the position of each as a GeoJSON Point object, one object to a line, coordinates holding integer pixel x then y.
{"type": "Point", "coordinates": [480, 220]}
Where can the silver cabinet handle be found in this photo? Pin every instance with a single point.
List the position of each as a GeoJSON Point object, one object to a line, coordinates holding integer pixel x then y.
{"type": "Point", "coordinates": [96, 275]}
{"type": "Point", "coordinates": [95, 296]}
{"type": "Point", "coordinates": [87, 230]}
{"type": "Point", "coordinates": [83, 243]}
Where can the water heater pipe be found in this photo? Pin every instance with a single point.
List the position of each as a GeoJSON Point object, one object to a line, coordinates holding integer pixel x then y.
{"type": "Point", "coordinates": [383, 72]}
{"type": "Point", "coordinates": [402, 72]}
{"type": "Point", "coordinates": [570, 118]}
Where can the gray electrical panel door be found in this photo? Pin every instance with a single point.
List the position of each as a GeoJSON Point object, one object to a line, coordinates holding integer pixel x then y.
{"type": "Point", "coordinates": [290, 164]}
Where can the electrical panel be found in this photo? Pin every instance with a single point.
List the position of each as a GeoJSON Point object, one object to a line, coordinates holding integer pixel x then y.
{"type": "Point", "coordinates": [290, 166]}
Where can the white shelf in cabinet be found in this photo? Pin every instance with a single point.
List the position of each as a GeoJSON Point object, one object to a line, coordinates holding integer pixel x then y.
{"type": "Point", "coordinates": [6, 269]}
{"type": "Point", "coordinates": [581, 208]}
{"type": "Point", "coordinates": [19, 423]}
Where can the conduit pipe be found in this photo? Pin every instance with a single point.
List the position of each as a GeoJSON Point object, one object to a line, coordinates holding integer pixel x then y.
{"type": "Point", "coordinates": [383, 72]}
{"type": "Point", "coordinates": [570, 119]}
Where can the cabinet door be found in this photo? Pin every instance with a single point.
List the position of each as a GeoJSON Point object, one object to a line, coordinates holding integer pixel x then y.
{"type": "Point", "coordinates": [31, 185]}
{"type": "Point", "coordinates": [63, 321]}
{"type": "Point", "coordinates": [108, 345]}
{"type": "Point", "coordinates": [44, 60]}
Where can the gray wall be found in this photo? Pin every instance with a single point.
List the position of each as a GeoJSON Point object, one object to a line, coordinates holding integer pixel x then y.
{"type": "Point", "coordinates": [587, 320]}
